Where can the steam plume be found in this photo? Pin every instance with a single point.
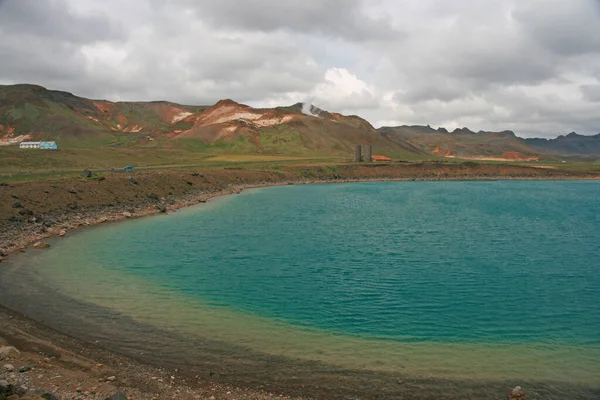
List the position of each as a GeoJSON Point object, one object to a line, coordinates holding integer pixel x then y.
{"type": "Point", "coordinates": [309, 109]}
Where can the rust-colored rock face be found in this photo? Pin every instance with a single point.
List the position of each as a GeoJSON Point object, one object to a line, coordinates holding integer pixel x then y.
{"type": "Point", "coordinates": [517, 156]}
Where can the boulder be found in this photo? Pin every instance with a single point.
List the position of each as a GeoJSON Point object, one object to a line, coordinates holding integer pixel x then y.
{"type": "Point", "coordinates": [127, 214]}
{"type": "Point", "coordinates": [9, 352]}
{"type": "Point", "coordinates": [518, 394]}
{"type": "Point", "coordinates": [72, 190]}
{"type": "Point", "coordinates": [17, 205]}
{"type": "Point", "coordinates": [8, 367]}
{"type": "Point", "coordinates": [162, 208]}
{"type": "Point", "coordinates": [49, 396]}
{"type": "Point", "coordinates": [40, 245]}
{"type": "Point", "coordinates": [6, 389]}
{"type": "Point", "coordinates": [118, 396]}
{"type": "Point", "coordinates": [152, 196]}
{"type": "Point", "coordinates": [86, 173]}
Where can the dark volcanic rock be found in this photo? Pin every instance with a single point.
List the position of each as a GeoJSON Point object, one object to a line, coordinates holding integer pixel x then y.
{"type": "Point", "coordinates": [118, 396]}
{"type": "Point", "coordinates": [152, 196]}
{"type": "Point", "coordinates": [18, 205]}
{"type": "Point", "coordinates": [86, 173]}
{"type": "Point", "coordinates": [49, 396]}
{"type": "Point", "coordinates": [7, 390]}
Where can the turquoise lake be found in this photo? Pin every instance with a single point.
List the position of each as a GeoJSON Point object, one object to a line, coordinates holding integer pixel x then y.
{"type": "Point", "coordinates": [433, 278]}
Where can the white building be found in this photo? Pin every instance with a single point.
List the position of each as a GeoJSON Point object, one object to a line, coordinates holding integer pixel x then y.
{"type": "Point", "coordinates": [39, 145]}
{"type": "Point", "coordinates": [29, 145]}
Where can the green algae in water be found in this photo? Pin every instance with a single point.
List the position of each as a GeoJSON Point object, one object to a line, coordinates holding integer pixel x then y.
{"type": "Point", "coordinates": [484, 280]}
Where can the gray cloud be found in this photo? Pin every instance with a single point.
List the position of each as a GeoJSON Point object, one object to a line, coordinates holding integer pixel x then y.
{"type": "Point", "coordinates": [566, 28]}
{"type": "Point", "coordinates": [338, 18]}
{"type": "Point", "coordinates": [41, 40]}
{"type": "Point", "coordinates": [54, 21]}
{"type": "Point", "coordinates": [591, 92]}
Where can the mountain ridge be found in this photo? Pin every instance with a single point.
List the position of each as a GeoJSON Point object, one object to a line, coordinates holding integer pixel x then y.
{"type": "Point", "coordinates": [32, 112]}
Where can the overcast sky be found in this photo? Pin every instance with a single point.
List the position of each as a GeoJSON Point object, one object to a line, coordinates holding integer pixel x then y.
{"type": "Point", "coordinates": [532, 66]}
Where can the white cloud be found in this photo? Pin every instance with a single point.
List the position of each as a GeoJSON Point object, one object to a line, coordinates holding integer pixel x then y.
{"type": "Point", "coordinates": [344, 90]}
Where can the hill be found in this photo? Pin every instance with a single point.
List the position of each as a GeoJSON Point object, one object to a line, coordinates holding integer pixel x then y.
{"type": "Point", "coordinates": [29, 112]}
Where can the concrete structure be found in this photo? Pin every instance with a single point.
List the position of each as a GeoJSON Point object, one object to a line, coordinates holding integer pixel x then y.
{"type": "Point", "coordinates": [367, 157]}
{"type": "Point", "coordinates": [357, 153]}
{"type": "Point", "coordinates": [39, 145]}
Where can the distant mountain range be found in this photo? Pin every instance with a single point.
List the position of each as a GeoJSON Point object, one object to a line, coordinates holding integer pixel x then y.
{"type": "Point", "coordinates": [30, 112]}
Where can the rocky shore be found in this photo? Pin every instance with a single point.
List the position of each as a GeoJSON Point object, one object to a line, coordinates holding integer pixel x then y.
{"type": "Point", "coordinates": [33, 211]}
{"type": "Point", "coordinates": [37, 362]}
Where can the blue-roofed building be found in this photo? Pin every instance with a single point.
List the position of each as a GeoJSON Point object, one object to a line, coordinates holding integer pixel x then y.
{"type": "Point", "coordinates": [39, 145]}
{"type": "Point", "coordinates": [48, 146]}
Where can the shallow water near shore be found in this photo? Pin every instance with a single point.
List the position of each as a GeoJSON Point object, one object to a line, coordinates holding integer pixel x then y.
{"type": "Point", "coordinates": [485, 281]}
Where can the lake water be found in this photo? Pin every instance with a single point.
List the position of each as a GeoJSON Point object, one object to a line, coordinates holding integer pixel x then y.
{"type": "Point", "coordinates": [486, 281]}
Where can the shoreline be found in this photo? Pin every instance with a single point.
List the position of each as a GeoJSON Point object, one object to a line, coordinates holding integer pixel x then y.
{"type": "Point", "coordinates": [76, 219]}
{"type": "Point", "coordinates": [24, 233]}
